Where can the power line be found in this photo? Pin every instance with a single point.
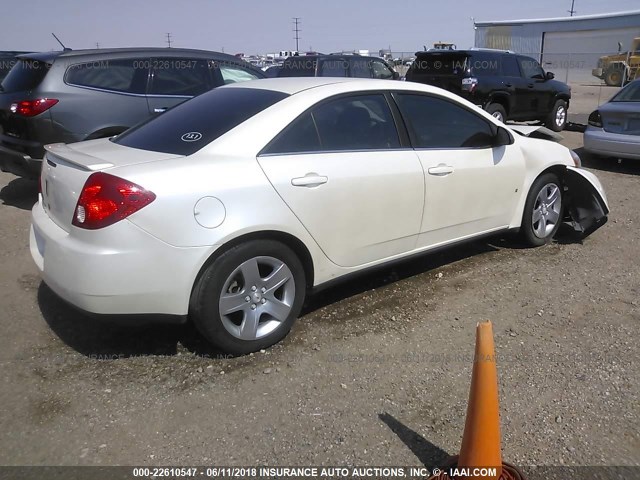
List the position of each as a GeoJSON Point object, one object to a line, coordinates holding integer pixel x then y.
{"type": "Point", "coordinates": [572, 11]}
{"type": "Point", "coordinates": [296, 21]}
{"type": "Point", "coordinates": [169, 39]}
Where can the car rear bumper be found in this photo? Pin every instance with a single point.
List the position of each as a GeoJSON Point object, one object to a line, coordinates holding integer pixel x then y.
{"type": "Point", "coordinates": [18, 163]}
{"type": "Point", "coordinates": [597, 141]}
{"type": "Point", "coordinates": [119, 270]}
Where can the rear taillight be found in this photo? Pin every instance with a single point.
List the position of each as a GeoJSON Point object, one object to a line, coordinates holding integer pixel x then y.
{"type": "Point", "coordinates": [106, 199]}
{"type": "Point", "coordinates": [595, 120]}
{"type": "Point", "coordinates": [469, 84]}
{"type": "Point", "coordinates": [31, 108]}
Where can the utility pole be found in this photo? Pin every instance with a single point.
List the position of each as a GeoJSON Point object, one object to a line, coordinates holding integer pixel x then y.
{"type": "Point", "coordinates": [169, 39]}
{"type": "Point", "coordinates": [572, 11]}
{"type": "Point", "coordinates": [97, 45]}
{"type": "Point", "coordinates": [296, 22]}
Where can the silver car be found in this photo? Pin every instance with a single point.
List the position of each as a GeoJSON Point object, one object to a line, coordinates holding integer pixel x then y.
{"type": "Point", "coordinates": [614, 128]}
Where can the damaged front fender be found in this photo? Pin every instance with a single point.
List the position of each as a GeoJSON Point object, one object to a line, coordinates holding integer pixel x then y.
{"type": "Point", "coordinates": [587, 204]}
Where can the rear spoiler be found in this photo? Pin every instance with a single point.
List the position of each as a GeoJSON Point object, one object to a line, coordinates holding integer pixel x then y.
{"type": "Point", "coordinates": [537, 132]}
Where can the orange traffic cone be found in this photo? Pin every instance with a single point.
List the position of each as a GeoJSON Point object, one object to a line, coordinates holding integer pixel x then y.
{"type": "Point", "coordinates": [480, 453]}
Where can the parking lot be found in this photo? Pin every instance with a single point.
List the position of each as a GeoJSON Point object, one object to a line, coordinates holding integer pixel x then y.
{"type": "Point", "coordinates": [375, 372]}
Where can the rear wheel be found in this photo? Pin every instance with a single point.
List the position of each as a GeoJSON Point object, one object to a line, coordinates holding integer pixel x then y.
{"type": "Point", "coordinates": [249, 297]}
{"type": "Point", "coordinates": [557, 118]}
{"type": "Point", "coordinates": [543, 210]}
{"type": "Point", "coordinates": [498, 111]}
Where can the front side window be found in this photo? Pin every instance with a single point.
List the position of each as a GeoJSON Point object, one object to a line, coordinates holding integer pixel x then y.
{"type": "Point", "coordinates": [438, 123]}
{"type": "Point", "coordinates": [126, 75]}
{"type": "Point", "coordinates": [380, 70]}
{"type": "Point", "coordinates": [362, 122]}
{"type": "Point", "coordinates": [180, 77]}
{"type": "Point", "coordinates": [235, 74]}
{"type": "Point", "coordinates": [530, 68]}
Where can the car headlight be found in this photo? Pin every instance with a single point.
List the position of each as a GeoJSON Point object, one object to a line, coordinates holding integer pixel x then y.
{"type": "Point", "coordinates": [576, 159]}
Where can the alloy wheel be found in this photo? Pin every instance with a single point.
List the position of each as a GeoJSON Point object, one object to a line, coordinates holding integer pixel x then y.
{"type": "Point", "coordinates": [546, 210]}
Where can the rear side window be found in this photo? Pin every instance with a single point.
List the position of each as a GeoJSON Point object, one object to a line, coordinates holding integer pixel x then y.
{"type": "Point", "coordinates": [129, 75]}
{"type": "Point", "coordinates": [334, 67]}
{"type": "Point", "coordinates": [510, 66]}
{"type": "Point", "coordinates": [361, 122]}
{"type": "Point", "coordinates": [298, 67]}
{"type": "Point", "coordinates": [180, 77]}
{"type": "Point", "coordinates": [484, 65]}
{"type": "Point", "coordinates": [25, 75]}
{"type": "Point", "coordinates": [360, 67]}
{"type": "Point", "coordinates": [438, 123]}
{"type": "Point", "coordinates": [188, 127]}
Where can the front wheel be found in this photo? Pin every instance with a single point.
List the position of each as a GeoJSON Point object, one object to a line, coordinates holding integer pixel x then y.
{"type": "Point", "coordinates": [249, 297]}
{"type": "Point", "coordinates": [557, 118]}
{"type": "Point", "coordinates": [543, 210]}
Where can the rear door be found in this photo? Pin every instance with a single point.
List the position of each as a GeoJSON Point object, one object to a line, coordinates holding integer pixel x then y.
{"type": "Point", "coordinates": [104, 94]}
{"type": "Point", "coordinates": [176, 79]}
{"type": "Point", "coordinates": [342, 171]}
{"type": "Point", "coordinates": [471, 187]}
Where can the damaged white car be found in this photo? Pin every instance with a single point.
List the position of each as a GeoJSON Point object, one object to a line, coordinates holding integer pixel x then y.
{"type": "Point", "coordinates": [233, 206]}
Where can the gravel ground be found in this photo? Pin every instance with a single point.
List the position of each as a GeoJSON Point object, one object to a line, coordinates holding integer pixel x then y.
{"type": "Point", "coordinates": [376, 372]}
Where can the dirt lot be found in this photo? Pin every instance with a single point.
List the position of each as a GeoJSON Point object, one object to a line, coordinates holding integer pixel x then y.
{"type": "Point", "coordinates": [376, 372]}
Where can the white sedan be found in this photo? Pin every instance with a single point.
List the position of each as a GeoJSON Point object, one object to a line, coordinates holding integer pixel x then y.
{"type": "Point", "coordinates": [231, 207]}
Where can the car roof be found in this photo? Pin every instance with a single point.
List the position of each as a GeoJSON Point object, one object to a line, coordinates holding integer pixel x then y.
{"type": "Point", "coordinates": [151, 51]}
{"type": "Point", "coordinates": [293, 85]}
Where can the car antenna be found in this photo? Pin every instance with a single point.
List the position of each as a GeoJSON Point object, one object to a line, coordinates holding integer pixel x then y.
{"type": "Point", "coordinates": [64, 49]}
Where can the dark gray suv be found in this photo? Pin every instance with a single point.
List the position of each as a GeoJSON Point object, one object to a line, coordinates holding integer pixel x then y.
{"type": "Point", "coordinates": [73, 96]}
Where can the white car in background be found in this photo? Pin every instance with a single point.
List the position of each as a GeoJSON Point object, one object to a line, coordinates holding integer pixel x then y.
{"type": "Point", "coordinates": [231, 207]}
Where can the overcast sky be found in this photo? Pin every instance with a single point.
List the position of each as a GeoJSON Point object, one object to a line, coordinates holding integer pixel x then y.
{"type": "Point", "coordinates": [262, 26]}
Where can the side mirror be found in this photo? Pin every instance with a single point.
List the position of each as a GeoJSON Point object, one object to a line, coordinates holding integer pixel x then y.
{"type": "Point", "coordinates": [502, 137]}
{"type": "Point", "coordinates": [549, 76]}
{"type": "Point", "coordinates": [396, 75]}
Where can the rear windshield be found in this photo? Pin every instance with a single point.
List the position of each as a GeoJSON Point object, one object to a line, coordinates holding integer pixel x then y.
{"type": "Point", "coordinates": [25, 75]}
{"type": "Point", "coordinates": [630, 93]}
{"type": "Point", "coordinates": [440, 64]}
{"type": "Point", "coordinates": [188, 127]}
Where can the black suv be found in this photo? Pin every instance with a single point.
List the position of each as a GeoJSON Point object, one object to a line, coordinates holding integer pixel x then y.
{"type": "Point", "coordinates": [80, 95]}
{"type": "Point", "coordinates": [507, 85]}
{"type": "Point", "coordinates": [337, 65]}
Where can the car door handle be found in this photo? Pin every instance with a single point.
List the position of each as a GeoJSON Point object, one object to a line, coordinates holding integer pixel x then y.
{"type": "Point", "coordinates": [160, 110]}
{"type": "Point", "coordinates": [309, 180]}
{"type": "Point", "coordinates": [508, 85]}
{"type": "Point", "coordinates": [530, 85]}
{"type": "Point", "coordinates": [441, 170]}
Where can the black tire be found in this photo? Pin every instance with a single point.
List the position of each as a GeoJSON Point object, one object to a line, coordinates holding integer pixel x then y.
{"type": "Point", "coordinates": [206, 308]}
{"type": "Point", "coordinates": [557, 118]}
{"type": "Point", "coordinates": [496, 109]}
{"type": "Point", "coordinates": [613, 76]}
{"type": "Point", "coordinates": [529, 227]}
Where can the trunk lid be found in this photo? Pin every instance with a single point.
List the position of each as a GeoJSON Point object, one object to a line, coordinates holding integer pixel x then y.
{"type": "Point", "coordinates": [66, 168]}
{"type": "Point", "coordinates": [621, 117]}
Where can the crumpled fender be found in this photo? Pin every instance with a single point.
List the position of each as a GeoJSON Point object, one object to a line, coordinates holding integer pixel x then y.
{"type": "Point", "coordinates": [537, 131]}
{"type": "Point", "coordinates": [587, 203]}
